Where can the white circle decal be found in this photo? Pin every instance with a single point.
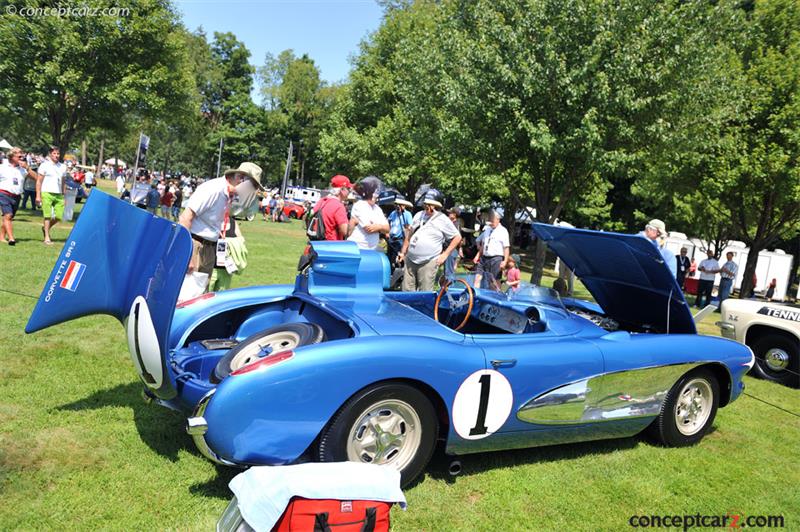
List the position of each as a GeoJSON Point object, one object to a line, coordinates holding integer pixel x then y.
{"type": "Point", "coordinates": [482, 404]}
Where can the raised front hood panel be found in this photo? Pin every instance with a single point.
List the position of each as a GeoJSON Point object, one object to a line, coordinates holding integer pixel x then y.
{"type": "Point", "coordinates": [626, 275]}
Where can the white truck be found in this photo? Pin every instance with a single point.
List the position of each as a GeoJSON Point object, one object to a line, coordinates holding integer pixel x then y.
{"type": "Point", "coordinates": [772, 331]}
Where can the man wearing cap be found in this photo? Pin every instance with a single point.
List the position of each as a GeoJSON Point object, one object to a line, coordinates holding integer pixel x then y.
{"type": "Point", "coordinates": [207, 212]}
{"type": "Point", "coordinates": [399, 224]}
{"type": "Point", "coordinates": [334, 213]}
{"type": "Point", "coordinates": [422, 248]}
{"type": "Point", "coordinates": [656, 232]}
{"type": "Point", "coordinates": [494, 247]}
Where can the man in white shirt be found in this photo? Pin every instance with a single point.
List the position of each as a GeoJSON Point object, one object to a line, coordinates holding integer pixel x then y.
{"type": "Point", "coordinates": [494, 246]}
{"type": "Point", "coordinates": [708, 271]}
{"type": "Point", "coordinates": [89, 179]}
{"type": "Point", "coordinates": [422, 248]}
{"type": "Point", "coordinates": [12, 178]}
{"type": "Point", "coordinates": [367, 220]}
{"type": "Point", "coordinates": [120, 184]}
{"type": "Point", "coordinates": [50, 189]}
{"type": "Point", "coordinates": [727, 274]}
{"type": "Point", "coordinates": [206, 215]}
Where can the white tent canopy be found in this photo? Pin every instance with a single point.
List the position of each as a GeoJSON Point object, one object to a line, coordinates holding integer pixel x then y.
{"type": "Point", "coordinates": [4, 145]}
{"type": "Point", "coordinates": [118, 162]}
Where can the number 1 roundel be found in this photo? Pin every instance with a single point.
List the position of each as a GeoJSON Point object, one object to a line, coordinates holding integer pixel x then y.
{"type": "Point", "coordinates": [482, 404]}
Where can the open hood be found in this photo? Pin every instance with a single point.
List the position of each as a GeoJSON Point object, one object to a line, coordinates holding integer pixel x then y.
{"type": "Point", "coordinates": [626, 275]}
{"type": "Point", "coordinates": [123, 261]}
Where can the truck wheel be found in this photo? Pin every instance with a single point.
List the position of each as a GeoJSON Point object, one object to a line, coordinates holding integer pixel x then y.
{"type": "Point", "coordinates": [777, 359]}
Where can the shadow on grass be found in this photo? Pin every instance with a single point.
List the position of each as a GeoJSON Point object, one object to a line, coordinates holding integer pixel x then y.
{"type": "Point", "coordinates": [217, 488]}
{"type": "Point", "coordinates": [160, 428]}
{"type": "Point", "coordinates": [475, 464]}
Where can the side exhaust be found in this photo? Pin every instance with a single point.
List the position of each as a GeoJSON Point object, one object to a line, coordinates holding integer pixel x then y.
{"type": "Point", "coordinates": [454, 469]}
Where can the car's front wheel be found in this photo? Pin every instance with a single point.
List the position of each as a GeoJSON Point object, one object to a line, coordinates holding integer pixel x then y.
{"type": "Point", "coordinates": [777, 359]}
{"type": "Point", "coordinates": [688, 411]}
{"type": "Point", "coordinates": [387, 424]}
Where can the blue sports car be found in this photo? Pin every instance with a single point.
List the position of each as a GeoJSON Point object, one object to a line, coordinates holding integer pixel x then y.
{"type": "Point", "coordinates": [337, 368]}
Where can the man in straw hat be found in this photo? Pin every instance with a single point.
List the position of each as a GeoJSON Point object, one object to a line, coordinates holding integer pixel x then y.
{"type": "Point", "coordinates": [207, 213]}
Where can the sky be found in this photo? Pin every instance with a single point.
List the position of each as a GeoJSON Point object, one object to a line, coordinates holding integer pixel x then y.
{"type": "Point", "coordinates": [329, 31]}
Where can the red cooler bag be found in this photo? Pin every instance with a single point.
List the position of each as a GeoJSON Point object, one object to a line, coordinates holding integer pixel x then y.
{"type": "Point", "coordinates": [330, 515]}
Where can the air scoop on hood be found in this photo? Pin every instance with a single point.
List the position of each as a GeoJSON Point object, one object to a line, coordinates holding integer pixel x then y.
{"type": "Point", "coordinates": [626, 275]}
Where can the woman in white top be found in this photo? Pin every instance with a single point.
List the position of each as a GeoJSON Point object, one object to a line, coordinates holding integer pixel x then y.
{"type": "Point", "coordinates": [367, 220]}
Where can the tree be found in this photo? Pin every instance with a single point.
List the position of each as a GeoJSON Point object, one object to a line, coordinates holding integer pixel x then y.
{"type": "Point", "coordinates": [557, 98]}
{"type": "Point", "coordinates": [758, 178]}
{"type": "Point", "coordinates": [85, 72]}
{"type": "Point", "coordinates": [377, 125]}
{"type": "Point", "coordinates": [738, 157]}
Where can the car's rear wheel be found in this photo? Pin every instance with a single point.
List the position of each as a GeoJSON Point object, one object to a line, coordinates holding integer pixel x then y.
{"type": "Point", "coordinates": [284, 337]}
{"type": "Point", "coordinates": [389, 424]}
{"type": "Point", "coordinates": [777, 359]}
{"type": "Point", "coordinates": [688, 411]}
{"type": "Point", "coordinates": [293, 215]}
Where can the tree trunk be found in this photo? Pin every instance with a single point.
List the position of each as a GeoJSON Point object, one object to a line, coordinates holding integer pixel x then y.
{"type": "Point", "coordinates": [100, 159]}
{"type": "Point", "coordinates": [747, 287]}
{"type": "Point", "coordinates": [510, 219]}
{"type": "Point", "coordinates": [83, 152]}
{"type": "Point", "coordinates": [538, 261]}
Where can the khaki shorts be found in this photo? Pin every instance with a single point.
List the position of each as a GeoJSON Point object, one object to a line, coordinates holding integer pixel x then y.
{"type": "Point", "coordinates": [52, 205]}
{"type": "Point", "coordinates": [204, 255]}
{"type": "Point", "coordinates": [420, 277]}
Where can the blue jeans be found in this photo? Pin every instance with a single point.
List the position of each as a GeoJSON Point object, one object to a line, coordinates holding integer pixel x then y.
{"type": "Point", "coordinates": [450, 266]}
{"type": "Point", "coordinates": [26, 194]}
{"type": "Point", "coordinates": [725, 286]}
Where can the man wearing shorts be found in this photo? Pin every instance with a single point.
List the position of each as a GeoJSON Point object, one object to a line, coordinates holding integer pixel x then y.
{"type": "Point", "coordinates": [50, 188]}
{"type": "Point", "coordinates": [12, 177]}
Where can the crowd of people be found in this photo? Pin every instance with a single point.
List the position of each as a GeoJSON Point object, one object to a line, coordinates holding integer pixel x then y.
{"type": "Point", "coordinates": [417, 244]}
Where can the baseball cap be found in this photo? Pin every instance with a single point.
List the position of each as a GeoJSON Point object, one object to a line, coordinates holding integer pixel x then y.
{"type": "Point", "coordinates": [658, 225]}
{"type": "Point", "coordinates": [341, 181]}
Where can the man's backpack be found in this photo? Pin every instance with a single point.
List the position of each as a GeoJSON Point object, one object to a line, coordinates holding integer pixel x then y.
{"type": "Point", "coordinates": [315, 230]}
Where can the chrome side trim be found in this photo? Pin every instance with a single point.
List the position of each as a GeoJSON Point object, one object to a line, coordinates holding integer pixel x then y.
{"type": "Point", "coordinates": [196, 427]}
{"type": "Point", "coordinates": [608, 397]}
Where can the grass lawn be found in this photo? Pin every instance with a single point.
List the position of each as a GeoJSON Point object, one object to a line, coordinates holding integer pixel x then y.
{"type": "Point", "coordinates": [79, 449]}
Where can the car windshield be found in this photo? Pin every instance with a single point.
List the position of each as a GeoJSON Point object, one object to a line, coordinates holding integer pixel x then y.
{"type": "Point", "coordinates": [535, 294]}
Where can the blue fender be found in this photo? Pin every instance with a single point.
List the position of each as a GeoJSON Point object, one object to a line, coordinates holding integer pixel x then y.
{"type": "Point", "coordinates": [271, 416]}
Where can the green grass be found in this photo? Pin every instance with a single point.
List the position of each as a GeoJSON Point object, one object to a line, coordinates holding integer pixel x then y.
{"type": "Point", "coordinates": [79, 449]}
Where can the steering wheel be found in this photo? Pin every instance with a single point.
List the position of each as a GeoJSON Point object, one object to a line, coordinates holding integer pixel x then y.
{"type": "Point", "coordinates": [455, 304]}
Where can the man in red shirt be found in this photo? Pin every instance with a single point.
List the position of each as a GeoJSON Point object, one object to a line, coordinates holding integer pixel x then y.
{"type": "Point", "coordinates": [334, 214]}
